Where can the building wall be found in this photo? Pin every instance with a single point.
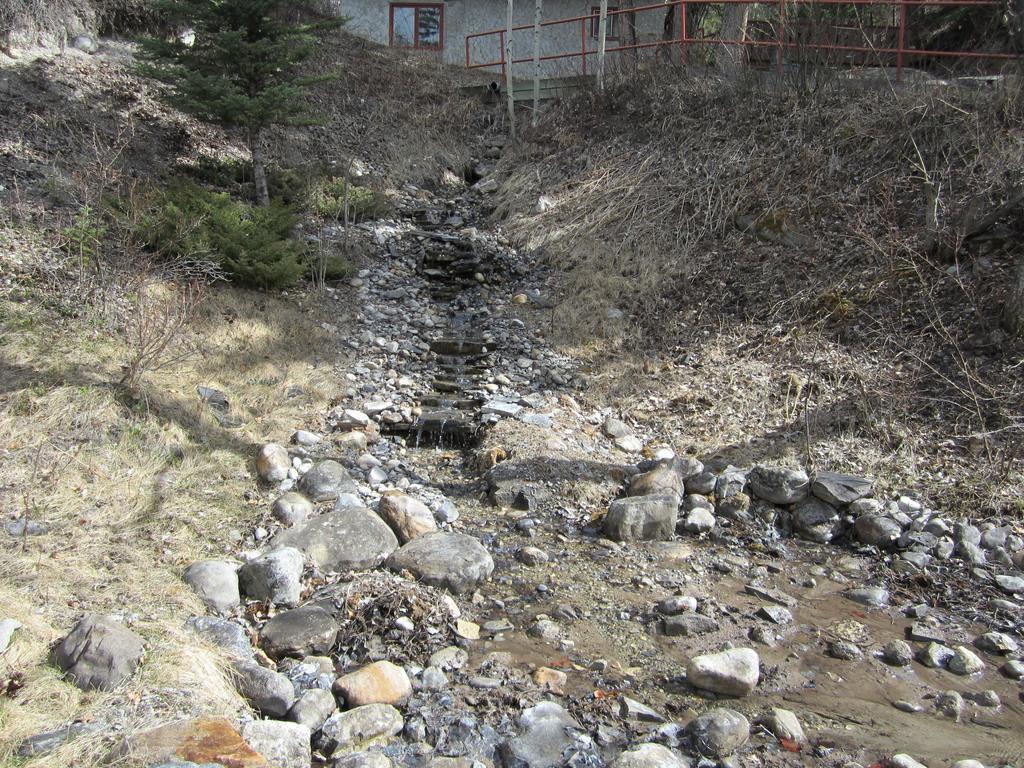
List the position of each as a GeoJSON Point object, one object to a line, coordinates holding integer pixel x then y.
{"type": "Point", "coordinates": [371, 19]}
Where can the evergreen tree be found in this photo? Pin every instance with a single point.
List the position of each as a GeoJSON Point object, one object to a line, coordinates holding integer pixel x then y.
{"type": "Point", "coordinates": [240, 69]}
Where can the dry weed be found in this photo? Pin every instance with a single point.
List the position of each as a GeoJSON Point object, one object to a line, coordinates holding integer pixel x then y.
{"type": "Point", "coordinates": [131, 492]}
{"type": "Point", "coordinates": [736, 228]}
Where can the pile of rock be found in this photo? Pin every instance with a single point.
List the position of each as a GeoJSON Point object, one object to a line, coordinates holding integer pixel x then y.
{"type": "Point", "coordinates": [678, 495]}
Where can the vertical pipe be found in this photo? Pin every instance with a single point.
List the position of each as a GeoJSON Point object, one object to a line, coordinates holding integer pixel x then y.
{"type": "Point", "coordinates": [501, 53]}
{"type": "Point", "coordinates": [583, 42]}
{"type": "Point", "coordinates": [467, 51]}
{"type": "Point", "coordinates": [781, 55]}
{"type": "Point", "coordinates": [902, 41]}
{"type": "Point", "coordinates": [508, 73]}
{"type": "Point", "coordinates": [683, 57]}
{"type": "Point", "coordinates": [602, 33]}
{"type": "Point", "coordinates": [537, 12]}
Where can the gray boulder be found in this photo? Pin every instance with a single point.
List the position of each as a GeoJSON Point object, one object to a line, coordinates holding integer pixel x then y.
{"type": "Point", "coordinates": [817, 521]}
{"type": "Point", "coordinates": [643, 518]}
{"type": "Point", "coordinates": [85, 43]}
{"type": "Point", "coordinates": [216, 583]}
{"type": "Point", "coordinates": [897, 653]}
{"type": "Point", "coordinates": [345, 731]}
{"type": "Point", "coordinates": [719, 732]}
{"type": "Point", "coordinates": [48, 741]}
{"type": "Point", "coordinates": [665, 478]}
{"type": "Point", "coordinates": [292, 508]}
{"type": "Point", "coordinates": [312, 708]}
{"type": "Point", "coordinates": [267, 691]}
{"type": "Point", "coordinates": [1011, 585]}
{"type": "Point", "coordinates": [784, 725]}
{"type": "Point", "coordinates": [650, 756]}
{"type": "Point", "coordinates": [733, 672]}
{"type": "Point", "coordinates": [699, 520]}
{"type": "Point", "coordinates": [996, 643]}
{"type": "Point", "coordinates": [99, 653]}
{"type": "Point", "coordinates": [222, 633]}
{"type": "Point", "coordinates": [362, 760]}
{"type": "Point", "coordinates": [275, 577]}
{"type": "Point", "coordinates": [544, 735]}
{"type": "Point", "coordinates": [877, 530]}
{"type": "Point", "coordinates": [285, 745]}
{"type": "Point", "coordinates": [7, 629]}
{"type": "Point", "coordinates": [873, 597]}
{"type": "Point", "coordinates": [964, 662]}
{"type": "Point", "coordinates": [304, 631]}
{"type": "Point", "coordinates": [454, 561]}
{"type": "Point", "coordinates": [732, 481]}
{"type": "Point", "coordinates": [840, 490]}
{"type": "Point", "coordinates": [326, 481]}
{"type": "Point", "coordinates": [349, 539]}
{"type": "Point", "coordinates": [779, 485]}
{"type": "Point", "coordinates": [273, 463]}
{"type": "Point", "coordinates": [689, 625]}
{"type": "Point", "coordinates": [701, 484]}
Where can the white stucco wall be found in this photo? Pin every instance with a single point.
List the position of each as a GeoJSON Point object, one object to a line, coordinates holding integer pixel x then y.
{"type": "Point", "coordinates": [370, 19]}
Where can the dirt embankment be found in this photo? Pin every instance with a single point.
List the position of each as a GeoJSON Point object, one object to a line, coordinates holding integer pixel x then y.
{"type": "Point", "coordinates": [785, 275]}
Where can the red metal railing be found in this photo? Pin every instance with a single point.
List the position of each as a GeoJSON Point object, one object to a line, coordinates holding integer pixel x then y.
{"type": "Point", "coordinates": [780, 45]}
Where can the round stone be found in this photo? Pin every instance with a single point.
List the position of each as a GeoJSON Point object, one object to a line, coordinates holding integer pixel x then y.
{"type": "Point", "coordinates": [292, 508]}
{"type": "Point", "coordinates": [719, 733]}
{"type": "Point", "coordinates": [348, 539]}
{"type": "Point", "coordinates": [734, 672]}
{"type": "Point", "coordinates": [454, 561]}
{"type": "Point", "coordinates": [326, 480]}
{"type": "Point", "coordinates": [272, 463]}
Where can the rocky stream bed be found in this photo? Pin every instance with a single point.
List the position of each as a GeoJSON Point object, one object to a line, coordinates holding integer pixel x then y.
{"type": "Point", "coordinates": [467, 562]}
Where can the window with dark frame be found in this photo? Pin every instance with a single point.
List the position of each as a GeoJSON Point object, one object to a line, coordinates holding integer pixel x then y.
{"type": "Point", "coordinates": [417, 25]}
{"type": "Point", "coordinates": [612, 33]}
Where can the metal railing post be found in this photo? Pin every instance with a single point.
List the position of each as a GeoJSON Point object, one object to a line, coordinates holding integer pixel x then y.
{"type": "Point", "coordinates": [780, 64]}
{"type": "Point", "coordinates": [683, 57]}
{"type": "Point", "coordinates": [583, 43]}
{"type": "Point", "coordinates": [901, 41]}
{"type": "Point", "coordinates": [467, 51]}
{"type": "Point", "coordinates": [501, 46]}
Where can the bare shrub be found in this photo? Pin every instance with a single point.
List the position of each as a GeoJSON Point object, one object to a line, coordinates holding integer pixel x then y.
{"type": "Point", "coordinates": [156, 328]}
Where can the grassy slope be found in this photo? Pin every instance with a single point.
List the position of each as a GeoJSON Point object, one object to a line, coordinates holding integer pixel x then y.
{"type": "Point", "coordinates": [857, 349]}
{"type": "Point", "coordinates": [136, 485]}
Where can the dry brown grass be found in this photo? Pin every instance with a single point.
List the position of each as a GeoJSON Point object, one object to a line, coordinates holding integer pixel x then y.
{"type": "Point", "coordinates": [403, 111]}
{"type": "Point", "coordinates": [134, 486]}
{"type": "Point", "coordinates": [838, 283]}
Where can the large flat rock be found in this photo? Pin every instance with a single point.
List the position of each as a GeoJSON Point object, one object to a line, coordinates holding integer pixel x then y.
{"type": "Point", "coordinates": [454, 561]}
{"type": "Point", "coordinates": [642, 518]}
{"type": "Point", "coordinates": [202, 741]}
{"type": "Point", "coordinates": [348, 539]}
{"type": "Point", "coordinates": [99, 653]}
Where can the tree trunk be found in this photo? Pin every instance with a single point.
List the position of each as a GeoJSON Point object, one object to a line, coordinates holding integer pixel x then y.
{"type": "Point", "coordinates": [734, 27]}
{"type": "Point", "coordinates": [1013, 312]}
{"type": "Point", "coordinates": [259, 167]}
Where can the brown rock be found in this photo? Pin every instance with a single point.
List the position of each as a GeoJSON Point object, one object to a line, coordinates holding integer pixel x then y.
{"type": "Point", "coordinates": [406, 516]}
{"type": "Point", "coordinates": [550, 679]}
{"type": "Point", "coordinates": [664, 478]}
{"type": "Point", "coordinates": [205, 740]}
{"type": "Point", "coordinates": [379, 683]}
{"type": "Point", "coordinates": [272, 463]}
